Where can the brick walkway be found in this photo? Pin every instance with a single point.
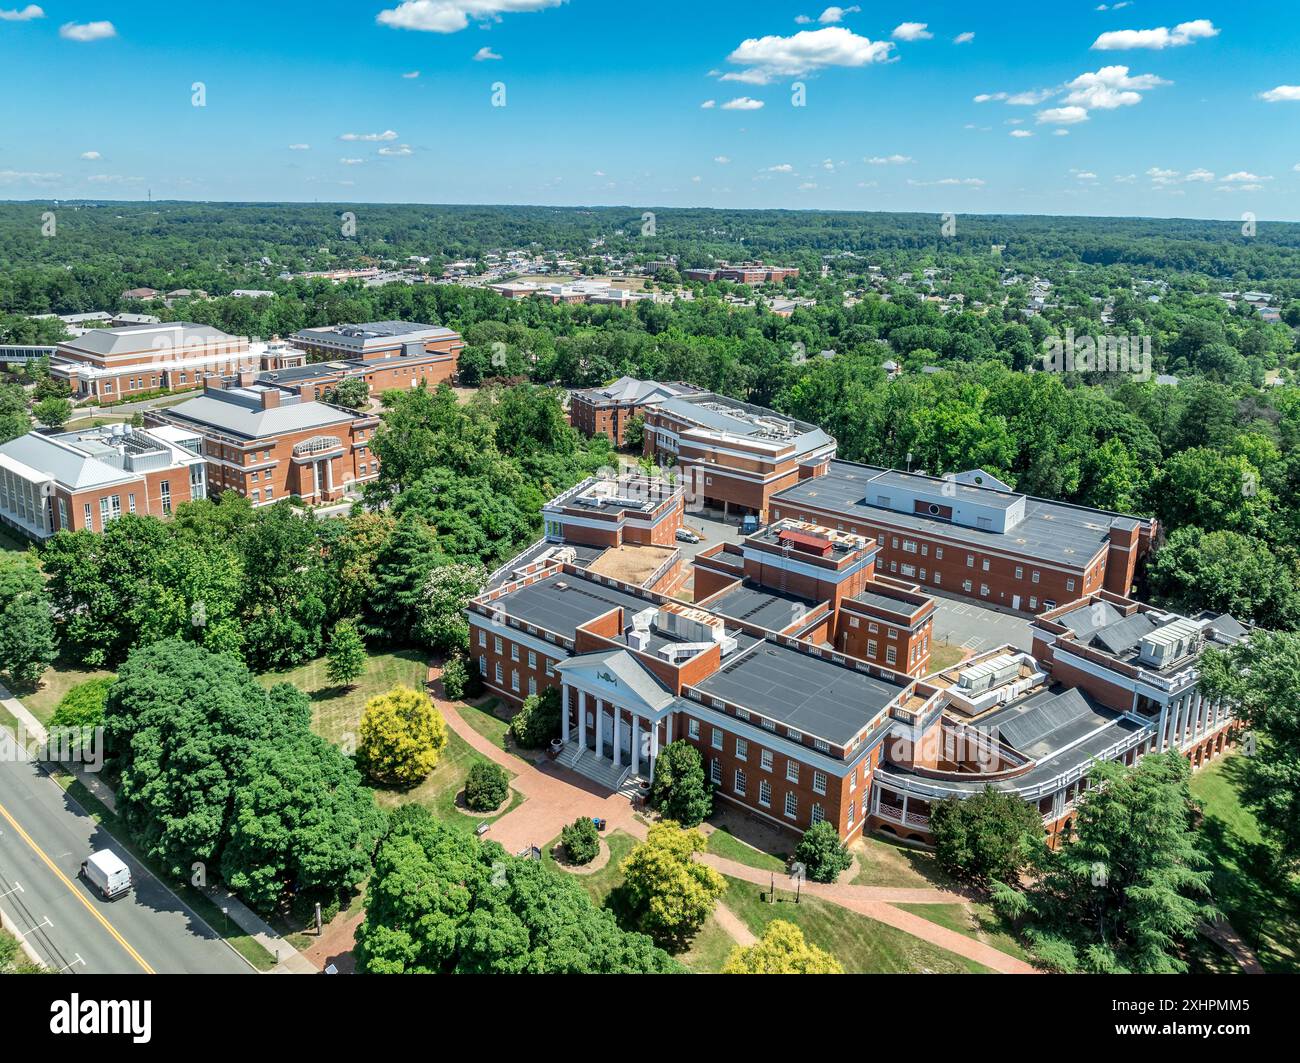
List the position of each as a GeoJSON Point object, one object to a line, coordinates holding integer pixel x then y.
{"type": "Point", "coordinates": [555, 796]}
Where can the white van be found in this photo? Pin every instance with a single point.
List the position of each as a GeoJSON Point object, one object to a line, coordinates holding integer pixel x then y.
{"type": "Point", "coordinates": [106, 872]}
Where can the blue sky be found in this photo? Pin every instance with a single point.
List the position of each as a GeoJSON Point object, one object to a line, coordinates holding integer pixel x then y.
{"type": "Point", "coordinates": [1189, 108]}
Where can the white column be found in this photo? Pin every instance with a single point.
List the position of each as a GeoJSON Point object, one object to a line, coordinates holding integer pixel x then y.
{"type": "Point", "coordinates": [618, 754]}
{"type": "Point", "coordinates": [636, 744]}
{"type": "Point", "coordinates": [669, 725]}
{"type": "Point", "coordinates": [582, 719]}
{"type": "Point", "coordinates": [654, 746]}
{"type": "Point", "coordinates": [600, 716]}
{"type": "Point", "coordinates": [564, 711]}
{"type": "Point", "coordinates": [329, 474]}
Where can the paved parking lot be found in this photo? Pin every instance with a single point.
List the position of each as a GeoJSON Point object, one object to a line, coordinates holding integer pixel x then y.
{"type": "Point", "coordinates": [712, 530]}
{"type": "Point", "coordinates": [976, 627]}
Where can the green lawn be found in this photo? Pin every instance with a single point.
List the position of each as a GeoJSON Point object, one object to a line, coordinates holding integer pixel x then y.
{"type": "Point", "coordinates": [336, 711]}
{"type": "Point", "coordinates": [943, 655]}
{"type": "Point", "coordinates": [58, 679]}
{"type": "Point", "coordinates": [438, 792]}
{"type": "Point", "coordinates": [726, 845]}
{"type": "Point", "coordinates": [709, 950]}
{"type": "Point", "coordinates": [599, 884]}
{"type": "Point", "coordinates": [862, 945]}
{"type": "Point", "coordinates": [489, 720]}
{"type": "Point", "coordinates": [11, 542]}
{"type": "Point", "coordinates": [1264, 910]}
{"type": "Point", "coordinates": [974, 920]}
{"type": "Point", "coordinates": [889, 863]}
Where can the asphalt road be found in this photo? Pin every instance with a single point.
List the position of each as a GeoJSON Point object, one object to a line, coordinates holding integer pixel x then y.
{"type": "Point", "coordinates": [44, 836]}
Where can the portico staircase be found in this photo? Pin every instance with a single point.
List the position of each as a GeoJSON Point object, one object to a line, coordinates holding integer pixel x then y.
{"type": "Point", "coordinates": [598, 769]}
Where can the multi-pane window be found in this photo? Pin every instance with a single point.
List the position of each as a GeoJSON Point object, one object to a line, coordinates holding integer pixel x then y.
{"type": "Point", "coordinates": [765, 758]}
{"type": "Point", "coordinates": [738, 783]}
{"type": "Point", "coordinates": [792, 770]}
{"type": "Point", "coordinates": [791, 804]}
{"type": "Point", "coordinates": [715, 772]}
{"type": "Point", "coordinates": [693, 728]}
{"type": "Point", "coordinates": [165, 488]}
{"type": "Point", "coordinates": [742, 749]}
{"type": "Point", "coordinates": [532, 659]}
{"type": "Point", "coordinates": [819, 782]}
{"type": "Point", "coordinates": [514, 679]}
{"type": "Point", "coordinates": [817, 814]}
{"type": "Point", "coordinates": [500, 673]}
{"type": "Point", "coordinates": [765, 793]}
{"type": "Point", "coordinates": [716, 738]}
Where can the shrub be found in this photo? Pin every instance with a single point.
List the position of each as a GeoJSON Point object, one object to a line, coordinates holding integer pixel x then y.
{"type": "Point", "coordinates": [455, 678]}
{"type": "Point", "coordinates": [822, 853]}
{"type": "Point", "coordinates": [679, 789]}
{"type": "Point", "coordinates": [581, 841]}
{"type": "Point", "coordinates": [538, 721]}
{"type": "Point", "coordinates": [487, 787]}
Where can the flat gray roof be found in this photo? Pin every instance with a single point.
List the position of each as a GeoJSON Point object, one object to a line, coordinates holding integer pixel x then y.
{"type": "Point", "coordinates": [563, 602]}
{"type": "Point", "coordinates": [810, 694]}
{"type": "Point", "coordinates": [1053, 532]}
{"type": "Point", "coordinates": [760, 605]}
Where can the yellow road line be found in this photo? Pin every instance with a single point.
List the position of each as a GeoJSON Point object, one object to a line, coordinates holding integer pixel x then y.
{"type": "Point", "coordinates": [76, 892]}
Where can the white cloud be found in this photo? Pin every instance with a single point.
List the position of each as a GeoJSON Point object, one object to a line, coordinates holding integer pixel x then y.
{"type": "Point", "coordinates": [1162, 177]}
{"type": "Point", "coordinates": [742, 103]}
{"type": "Point", "coordinates": [1244, 176]}
{"type": "Point", "coordinates": [300, 147]}
{"type": "Point", "coordinates": [1084, 175]}
{"type": "Point", "coordinates": [807, 186]}
{"type": "Point", "coordinates": [964, 38]}
{"type": "Point", "coordinates": [1115, 7]}
{"type": "Point", "coordinates": [970, 182]}
{"type": "Point", "coordinates": [485, 54]}
{"type": "Point", "coordinates": [90, 156]}
{"type": "Point", "coordinates": [721, 160]}
{"type": "Point", "coordinates": [387, 134]}
{"type": "Point", "coordinates": [1281, 94]}
{"type": "Point", "coordinates": [911, 31]}
{"type": "Point", "coordinates": [1110, 87]}
{"type": "Point", "coordinates": [87, 31]}
{"type": "Point", "coordinates": [836, 14]}
{"type": "Point", "coordinates": [452, 16]}
{"type": "Point", "coordinates": [396, 151]}
{"type": "Point", "coordinates": [889, 160]}
{"type": "Point", "coordinates": [696, 179]}
{"type": "Point", "coordinates": [784, 167]}
{"type": "Point", "coordinates": [25, 14]}
{"type": "Point", "coordinates": [1060, 132]}
{"type": "Point", "coordinates": [1021, 133]}
{"type": "Point", "coordinates": [1029, 98]}
{"type": "Point", "coordinates": [411, 75]}
{"type": "Point", "coordinates": [803, 53]}
{"type": "Point", "coordinates": [28, 177]}
{"type": "Point", "coordinates": [707, 104]}
{"type": "Point", "coordinates": [352, 162]}
{"type": "Point", "coordinates": [1160, 37]}
{"type": "Point", "coordinates": [1063, 115]}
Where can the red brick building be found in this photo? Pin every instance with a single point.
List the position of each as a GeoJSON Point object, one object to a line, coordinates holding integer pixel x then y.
{"type": "Point", "coordinates": [112, 364]}
{"type": "Point", "coordinates": [267, 443]}
{"type": "Point", "coordinates": [606, 411]}
{"type": "Point", "coordinates": [387, 355]}
{"type": "Point", "coordinates": [732, 455]}
{"type": "Point", "coordinates": [83, 480]}
{"type": "Point", "coordinates": [969, 536]}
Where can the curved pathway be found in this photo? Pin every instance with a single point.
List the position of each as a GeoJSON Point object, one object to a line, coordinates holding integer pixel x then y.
{"type": "Point", "coordinates": [555, 796]}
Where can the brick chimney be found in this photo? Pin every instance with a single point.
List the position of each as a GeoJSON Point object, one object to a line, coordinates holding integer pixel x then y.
{"type": "Point", "coordinates": [271, 399]}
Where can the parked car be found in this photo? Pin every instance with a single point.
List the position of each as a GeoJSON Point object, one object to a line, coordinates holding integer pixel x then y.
{"type": "Point", "coordinates": [107, 873]}
{"type": "Point", "coordinates": [685, 535]}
